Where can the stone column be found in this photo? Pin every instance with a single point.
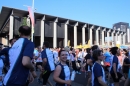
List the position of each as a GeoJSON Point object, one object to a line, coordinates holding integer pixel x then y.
{"type": "Point", "coordinates": [42, 32]}
{"type": "Point", "coordinates": [55, 33]}
{"type": "Point", "coordinates": [75, 34]}
{"type": "Point", "coordinates": [116, 38]}
{"type": "Point", "coordinates": [66, 33]}
{"type": "Point", "coordinates": [128, 35]}
{"type": "Point", "coordinates": [103, 36]}
{"type": "Point", "coordinates": [112, 35]}
{"type": "Point", "coordinates": [83, 34]}
{"type": "Point", "coordinates": [124, 38]}
{"type": "Point", "coordinates": [90, 34]}
{"type": "Point", "coordinates": [108, 38]}
{"type": "Point", "coordinates": [97, 36]}
{"type": "Point", "coordinates": [11, 25]}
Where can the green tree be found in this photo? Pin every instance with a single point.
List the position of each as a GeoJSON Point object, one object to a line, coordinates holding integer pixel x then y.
{"type": "Point", "coordinates": [24, 22]}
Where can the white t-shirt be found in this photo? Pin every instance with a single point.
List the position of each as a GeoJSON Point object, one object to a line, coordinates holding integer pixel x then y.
{"type": "Point", "coordinates": [39, 59]}
{"type": "Point", "coordinates": [80, 56]}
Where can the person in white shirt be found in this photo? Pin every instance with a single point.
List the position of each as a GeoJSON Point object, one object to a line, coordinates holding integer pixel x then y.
{"type": "Point", "coordinates": [38, 59]}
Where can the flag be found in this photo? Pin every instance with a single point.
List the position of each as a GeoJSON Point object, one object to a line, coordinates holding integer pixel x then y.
{"type": "Point", "coordinates": [31, 15]}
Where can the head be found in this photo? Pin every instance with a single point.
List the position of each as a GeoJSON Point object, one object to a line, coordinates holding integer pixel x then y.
{"type": "Point", "coordinates": [119, 52]}
{"type": "Point", "coordinates": [98, 55]}
{"type": "Point", "coordinates": [72, 49]}
{"type": "Point", "coordinates": [25, 31]}
{"type": "Point", "coordinates": [12, 41]}
{"type": "Point", "coordinates": [95, 47]}
{"type": "Point", "coordinates": [45, 45]}
{"type": "Point", "coordinates": [39, 48]}
{"type": "Point", "coordinates": [89, 50]}
{"type": "Point", "coordinates": [63, 55]}
{"type": "Point", "coordinates": [114, 50]}
{"type": "Point", "coordinates": [126, 52]}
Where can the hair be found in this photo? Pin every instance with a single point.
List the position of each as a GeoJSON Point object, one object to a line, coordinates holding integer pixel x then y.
{"type": "Point", "coordinates": [46, 44]}
{"type": "Point", "coordinates": [80, 49]}
{"type": "Point", "coordinates": [88, 50]}
{"type": "Point", "coordinates": [11, 40]}
{"type": "Point", "coordinates": [126, 52]}
{"type": "Point", "coordinates": [94, 47]}
{"type": "Point", "coordinates": [114, 50]}
{"type": "Point", "coordinates": [95, 54]}
{"type": "Point", "coordinates": [60, 52]}
{"type": "Point", "coordinates": [71, 49]}
{"type": "Point", "coordinates": [25, 30]}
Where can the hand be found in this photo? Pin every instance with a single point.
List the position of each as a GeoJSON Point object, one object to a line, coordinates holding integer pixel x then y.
{"type": "Point", "coordinates": [31, 78]}
{"type": "Point", "coordinates": [34, 74]}
{"type": "Point", "coordinates": [68, 82]}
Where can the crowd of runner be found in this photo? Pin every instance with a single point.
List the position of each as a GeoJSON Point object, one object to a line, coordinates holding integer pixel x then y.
{"type": "Point", "coordinates": [102, 66]}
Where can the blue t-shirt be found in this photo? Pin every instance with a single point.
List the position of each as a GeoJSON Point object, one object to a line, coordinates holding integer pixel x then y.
{"type": "Point", "coordinates": [97, 70]}
{"type": "Point", "coordinates": [115, 60]}
{"type": "Point", "coordinates": [18, 74]}
{"type": "Point", "coordinates": [48, 55]}
{"type": "Point", "coordinates": [108, 56]}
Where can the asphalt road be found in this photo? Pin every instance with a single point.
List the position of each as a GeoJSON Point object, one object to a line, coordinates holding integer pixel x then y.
{"type": "Point", "coordinates": [80, 80]}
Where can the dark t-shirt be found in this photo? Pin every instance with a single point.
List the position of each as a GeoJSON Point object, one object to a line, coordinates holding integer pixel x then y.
{"type": "Point", "coordinates": [126, 68]}
{"type": "Point", "coordinates": [115, 60]}
{"type": "Point", "coordinates": [97, 71]}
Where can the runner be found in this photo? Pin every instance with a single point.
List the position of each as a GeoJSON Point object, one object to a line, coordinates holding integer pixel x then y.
{"type": "Point", "coordinates": [48, 63]}
{"type": "Point", "coordinates": [62, 72]}
{"type": "Point", "coordinates": [98, 73]}
{"type": "Point", "coordinates": [20, 56]}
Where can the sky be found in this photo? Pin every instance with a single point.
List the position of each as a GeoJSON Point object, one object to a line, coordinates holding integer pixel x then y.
{"type": "Point", "coordinates": [98, 12]}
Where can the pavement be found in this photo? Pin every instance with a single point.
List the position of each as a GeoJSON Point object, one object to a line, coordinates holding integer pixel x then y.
{"type": "Point", "coordinates": [80, 80]}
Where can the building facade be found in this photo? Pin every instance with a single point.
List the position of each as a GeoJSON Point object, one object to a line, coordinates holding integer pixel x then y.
{"type": "Point", "coordinates": [122, 26]}
{"type": "Point", "coordinates": [56, 30]}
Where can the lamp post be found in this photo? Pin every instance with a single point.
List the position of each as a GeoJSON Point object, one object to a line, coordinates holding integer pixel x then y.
{"type": "Point", "coordinates": [34, 19]}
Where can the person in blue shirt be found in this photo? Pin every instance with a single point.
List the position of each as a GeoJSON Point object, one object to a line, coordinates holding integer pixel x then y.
{"type": "Point", "coordinates": [62, 72]}
{"type": "Point", "coordinates": [91, 60]}
{"type": "Point", "coordinates": [114, 70]}
{"type": "Point", "coordinates": [20, 56]}
{"type": "Point", "coordinates": [48, 62]}
{"type": "Point", "coordinates": [98, 74]}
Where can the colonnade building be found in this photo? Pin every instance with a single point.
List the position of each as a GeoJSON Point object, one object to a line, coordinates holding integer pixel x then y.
{"type": "Point", "coordinates": [56, 30]}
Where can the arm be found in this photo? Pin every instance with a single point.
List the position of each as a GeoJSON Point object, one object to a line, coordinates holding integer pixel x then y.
{"type": "Point", "coordinates": [44, 58]}
{"type": "Point", "coordinates": [101, 82]}
{"type": "Point", "coordinates": [28, 55]}
{"type": "Point", "coordinates": [124, 64]}
{"type": "Point", "coordinates": [44, 62]}
{"type": "Point", "coordinates": [114, 68]}
{"type": "Point", "coordinates": [26, 61]}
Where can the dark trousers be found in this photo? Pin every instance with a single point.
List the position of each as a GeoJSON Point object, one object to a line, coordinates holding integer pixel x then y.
{"type": "Point", "coordinates": [74, 66]}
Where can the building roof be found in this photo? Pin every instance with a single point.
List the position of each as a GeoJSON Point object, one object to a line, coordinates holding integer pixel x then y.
{"type": "Point", "coordinates": [7, 11]}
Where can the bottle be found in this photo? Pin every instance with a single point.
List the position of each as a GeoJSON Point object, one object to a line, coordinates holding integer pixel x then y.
{"type": "Point", "coordinates": [73, 76]}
